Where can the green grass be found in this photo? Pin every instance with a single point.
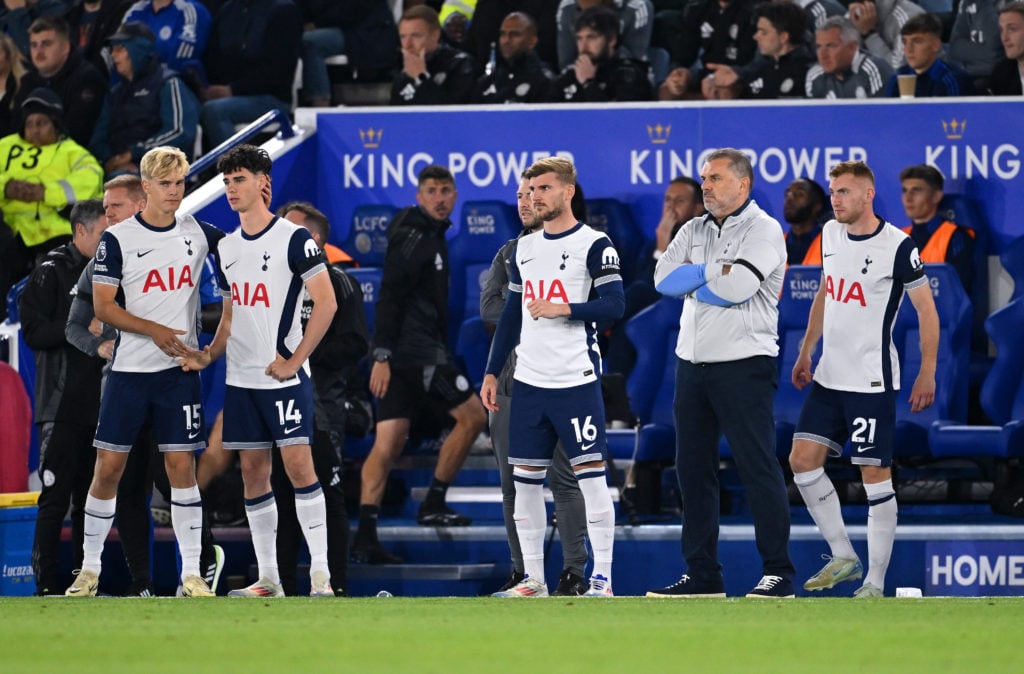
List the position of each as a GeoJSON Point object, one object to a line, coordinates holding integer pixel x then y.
{"type": "Point", "coordinates": [543, 636]}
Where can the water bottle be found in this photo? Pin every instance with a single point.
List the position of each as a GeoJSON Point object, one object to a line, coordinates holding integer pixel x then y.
{"type": "Point", "coordinates": [491, 62]}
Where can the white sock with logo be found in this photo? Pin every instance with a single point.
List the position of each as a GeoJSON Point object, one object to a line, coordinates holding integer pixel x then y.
{"type": "Point", "coordinates": [187, 520]}
{"type": "Point", "coordinates": [311, 512]}
{"type": "Point", "coordinates": [531, 517]}
{"type": "Point", "coordinates": [262, 515]}
{"type": "Point", "coordinates": [822, 502]}
{"type": "Point", "coordinates": [882, 515]}
{"type": "Point", "coordinates": [600, 510]}
{"type": "Point", "coordinates": [99, 516]}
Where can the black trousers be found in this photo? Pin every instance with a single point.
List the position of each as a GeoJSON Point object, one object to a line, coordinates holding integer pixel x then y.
{"type": "Point", "coordinates": [735, 398]}
{"type": "Point", "coordinates": [327, 464]}
{"type": "Point", "coordinates": [67, 459]}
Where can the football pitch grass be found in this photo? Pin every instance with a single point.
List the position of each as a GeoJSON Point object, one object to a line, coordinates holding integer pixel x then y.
{"type": "Point", "coordinates": [626, 635]}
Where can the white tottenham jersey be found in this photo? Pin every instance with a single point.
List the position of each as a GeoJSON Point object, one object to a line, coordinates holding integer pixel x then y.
{"type": "Point", "coordinates": [264, 277]}
{"type": "Point", "coordinates": [157, 272]}
{"type": "Point", "coordinates": [564, 268]}
{"type": "Point", "coordinates": [864, 281]}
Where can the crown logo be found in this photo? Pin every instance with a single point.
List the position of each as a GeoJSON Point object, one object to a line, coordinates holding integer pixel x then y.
{"type": "Point", "coordinates": [659, 134]}
{"type": "Point", "coordinates": [370, 138]}
{"type": "Point", "coordinates": [954, 129]}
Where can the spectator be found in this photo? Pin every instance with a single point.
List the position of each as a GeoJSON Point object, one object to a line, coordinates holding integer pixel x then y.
{"type": "Point", "coordinates": [600, 72]}
{"type": "Point", "coordinates": [250, 61]}
{"type": "Point", "coordinates": [432, 73]}
{"type": "Point", "coordinates": [45, 174]}
{"type": "Point", "coordinates": [79, 85]}
{"type": "Point", "coordinates": [718, 32]}
{"type": "Point", "coordinates": [973, 41]}
{"type": "Point", "coordinates": [482, 35]}
{"type": "Point", "coordinates": [922, 45]}
{"type": "Point", "coordinates": [636, 21]}
{"type": "Point", "coordinates": [363, 30]}
{"type": "Point", "coordinates": [91, 22]}
{"type": "Point", "coordinates": [843, 70]}
{"type": "Point", "coordinates": [455, 17]}
{"type": "Point", "coordinates": [519, 76]}
{"type": "Point", "coordinates": [17, 16]}
{"type": "Point", "coordinates": [730, 265]}
{"type": "Point", "coordinates": [1008, 75]}
{"type": "Point", "coordinates": [12, 70]}
{"type": "Point", "coordinates": [879, 24]}
{"type": "Point", "coordinates": [780, 69]}
{"type": "Point", "coordinates": [149, 105]}
{"type": "Point", "coordinates": [333, 364]}
{"type": "Point", "coordinates": [67, 395]}
{"type": "Point", "coordinates": [816, 11]}
{"type": "Point", "coordinates": [683, 202]}
{"type": "Point", "coordinates": [413, 367]}
{"type": "Point", "coordinates": [803, 207]}
{"type": "Point", "coordinates": [937, 239]}
{"type": "Point", "coordinates": [182, 30]}
{"type": "Point", "coordinates": [570, 513]}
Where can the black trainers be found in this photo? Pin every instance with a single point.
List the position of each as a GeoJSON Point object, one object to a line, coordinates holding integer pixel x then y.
{"type": "Point", "coordinates": [513, 580]}
{"type": "Point", "coordinates": [772, 587]}
{"type": "Point", "coordinates": [372, 553]}
{"type": "Point", "coordinates": [441, 516]}
{"type": "Point", "coordinates": [570, 585]}
{"type": "Point", "coordinates": [687, 587]}
{"type": "Point", "coordinates": [140, 588]}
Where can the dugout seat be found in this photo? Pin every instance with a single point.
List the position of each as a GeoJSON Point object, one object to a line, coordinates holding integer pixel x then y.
{"type": "Point", "coordinates": [798, 290]}
{"type": "Point", "coordinates": [366, 240]}
{"type": "Point", "coordinates": [474, 345]}
{"type": "Point", "coordinates": [1002, 397]}
{"type": "Point", "coordinates": [1012, 259]}
{"type": "Point", "coordinates": [369, 279]}
{"type": "Point", "coordinates": [952, 371]}
{"type": "Point", "coordinates": [614, 218]}
{"type": "Point", "coordinates": [484, 227]}
{"type": "Point", "coordinates": [13, 298]}
{"type": "Point", "coordinates": [651, 386]}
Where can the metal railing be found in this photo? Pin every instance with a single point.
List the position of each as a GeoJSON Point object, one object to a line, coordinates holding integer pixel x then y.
{"type": "Point", "coordinates": [268, 119]}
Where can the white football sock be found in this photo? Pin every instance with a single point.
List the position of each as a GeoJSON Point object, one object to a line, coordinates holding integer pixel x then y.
{"type": "Point", "coordinates": [312, 515]}
{"type": "Point", "coordinates": [187, 521]}
{"type": "Point", "coordinates": [882, 515]}
{"type": "Point", "coordinates": [531, 517]}
{"type": "Point", "coordinates": [99, 516]}
{"type": "Point", "coordinates": [262, 515]}
{"type": "Point", "coordinates": [822, 502]}
{"type": "Point", "coordinates": [600, 509]}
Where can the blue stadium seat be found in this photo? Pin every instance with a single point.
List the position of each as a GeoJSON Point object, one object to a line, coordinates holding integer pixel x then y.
{"type": "Point", "coordinates": [366, 239]}
{"type": "Point", "coordinates": [485, 226]}
{"type": "Point", "coordinates": [660, 61]}
{"type": "Point", "coordinates": [651, 385]}
{"type": "Point", "coordinates": [369, 279]}
{"type": "Point", "coordinates": [614, 218]}
{"type": "Point", "coordinates": [474, 345]}
{"type": "Point", "coordinates": [1012, 259]}
{"type": "Point", "coordinates": [1002, 397]}
{"type": "Point", "coordinates": [952, 372]}
{"type": "Point", "coordinates": [13, 297]}
{"type": "Point", "coordinates": [798, 290]}
{"type": "Point", "coordinates": [966, 212]}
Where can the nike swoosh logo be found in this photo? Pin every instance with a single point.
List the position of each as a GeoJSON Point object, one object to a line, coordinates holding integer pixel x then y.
{"type": "Point", "coordinates": [527, 260]}
{"type": "Point", "coordinates": [141, 254]}
{"type": "Point", "coordinates": [828, 254]}
{"type": "Point", "coordinates": [229, 266]}
{"type": "Point", "coordinates": [194, 528]}
{"type": "Point", "coordinates": [864, 449]}
{"type": "Point", "coordinates": [316, 526]}
{"type": "Point", "coordinates": [193, 435]}
{"type": "Point", "coordinates": [586, 447]}
{"type": "Point", "coordinates": [291, 430]}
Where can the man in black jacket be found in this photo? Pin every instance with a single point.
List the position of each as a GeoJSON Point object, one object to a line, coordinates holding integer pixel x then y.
{"type": "Point", "coordinates": [599, 75]}
{"type": "Point", "coordinates": [432, 73]}
{"type": "Point", "coordinates": [519, 76]}
{"type": "Point", "coordinates": [67, 395]}
{"type": "Point", "coordinates": [60, 67]}
{"type": "Point", "coordinates": [413, 366]}
{"type": "Point", "coordinates": [334, 365]}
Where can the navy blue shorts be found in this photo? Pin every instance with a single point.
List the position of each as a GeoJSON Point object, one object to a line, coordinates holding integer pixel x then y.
{"type": "Point", "coordinates": [172, 399]}
{"type": "Point", "coordinates": [867, 420]}
{"type": "Point", "coordinates": [540, 417]}
{"type": "Point", "coordinates": [259, 418]}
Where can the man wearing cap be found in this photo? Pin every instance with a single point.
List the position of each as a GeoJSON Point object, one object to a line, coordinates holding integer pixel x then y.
{"type": "Point", "coordinates": [148, 107]}
{"type": "Point", "coordinates": [79, 85]}
{"type": "Point", "coordinates": [44, 174]}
